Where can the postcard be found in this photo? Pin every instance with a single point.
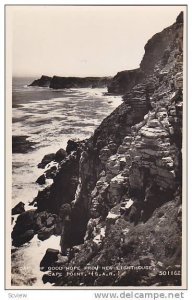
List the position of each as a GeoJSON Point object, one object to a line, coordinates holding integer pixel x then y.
{"type": "Point", "coordinates": [96, 146]}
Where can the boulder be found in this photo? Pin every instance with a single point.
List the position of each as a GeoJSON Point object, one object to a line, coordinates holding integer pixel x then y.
{"type": "Point", "coordinates": [49, 258]}
{"type": "Point", "coordinates": [18, 209]}
{"type": "Point", "coordinates": [23, 238]}
{"type": "Point", "coordinates": [41, 179]}
{"type": "Point", "coordinates": [60, 155]}
{"type": "Point", "coordinates": [23, 230]}
{"type": "Point", "coordinates": [46, 160]}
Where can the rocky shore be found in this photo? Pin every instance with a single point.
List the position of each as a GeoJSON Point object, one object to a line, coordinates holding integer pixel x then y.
{"type": "Point", "coordinates": [116, 197]}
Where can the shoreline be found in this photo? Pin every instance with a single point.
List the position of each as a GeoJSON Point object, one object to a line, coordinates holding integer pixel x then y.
{"type": "Point", "coordinates": [28, 207]}
{"type": "Point", "coordinates": [116, 199]}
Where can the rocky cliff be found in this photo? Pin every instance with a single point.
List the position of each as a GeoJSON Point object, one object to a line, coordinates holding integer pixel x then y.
{"type": "Point", "coordinates": [125, 80]}
{"type": "Point", "coordinates": [44, 81]}
{"type": "Point", "coordinates": [157, 49]}
{"type": "Point", "coordinates": [57, 82]}
{"type": "Point", "coordinates": [124, 184]}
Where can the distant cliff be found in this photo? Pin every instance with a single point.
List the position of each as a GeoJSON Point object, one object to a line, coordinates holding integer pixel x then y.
{"type": "Point", "coordinates": [44, 81]}
{"type": "Point", "coordinates": [57, 82]}
{"type": "Point", "coordinates": [124, 184]}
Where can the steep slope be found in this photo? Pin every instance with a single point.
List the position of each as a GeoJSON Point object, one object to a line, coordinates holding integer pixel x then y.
{"type": "Point", "coordinates": [130, 179]}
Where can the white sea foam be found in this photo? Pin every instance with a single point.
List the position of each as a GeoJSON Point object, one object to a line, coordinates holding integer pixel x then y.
{"type": "Point", "coordinates": [28, 257]}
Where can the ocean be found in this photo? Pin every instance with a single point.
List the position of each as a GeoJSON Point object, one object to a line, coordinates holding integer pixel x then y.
{"type": "Point", "coordinates": [43, 120]}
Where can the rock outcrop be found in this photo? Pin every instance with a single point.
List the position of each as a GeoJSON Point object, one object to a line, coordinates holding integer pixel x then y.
{"type": "Point", "coordinates": [46, 160]}
{"type": "Point", "coordinates": [44, 81]}
{"type": "Point", "coordinates": [18, 208]}
{"type": "Point", "coordinates": [124, 184]}
{"type": "Point", "coordinates": [124, 81]}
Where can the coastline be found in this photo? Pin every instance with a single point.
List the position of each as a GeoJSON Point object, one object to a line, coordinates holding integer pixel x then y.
{"type": "Point", "coordinates": [116, 196]}
{"type": "Point", "coordinates": [34, 157]}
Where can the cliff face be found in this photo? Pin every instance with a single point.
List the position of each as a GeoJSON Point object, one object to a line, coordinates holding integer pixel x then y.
{"type": "Point", "coordinates": [130, 176]}
{"type": "Point", "coordinates": [44, 81]}
{"type": "Point", "coordinates": [57, 82]}
{"type": "Point", "coordinates": [78, 82]}
{"type": "Point", "coordinates": [124, 81]}
{"type": "Point", "coordinates": [125, 183]}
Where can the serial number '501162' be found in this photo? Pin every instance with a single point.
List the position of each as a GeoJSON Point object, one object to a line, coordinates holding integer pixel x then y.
{"type": "Point", "coordinates": [170, 273]}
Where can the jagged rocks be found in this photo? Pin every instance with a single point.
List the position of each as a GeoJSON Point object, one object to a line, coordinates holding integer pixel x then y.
{"type": "Point", "coordinates": [112, 217]}
{"type": "Point", "coordinates": [46, 160]}
{"type": "Point", "coordinates": [23, 231]}
{"type": "Point", "coordinates": [18, 209]}
{"type": "Point", "coordinates": [33, 222]}
{"type": "Point", "coordinates": [41, 179]}
{"type": "Point", "coordinates": [142, 175]}
{"type": "Point", "coordinates": [99, 196]}
{"type": "Point", "coordinates": [154, 244]}
{"type": "Point", "coordinates": [44, 220]}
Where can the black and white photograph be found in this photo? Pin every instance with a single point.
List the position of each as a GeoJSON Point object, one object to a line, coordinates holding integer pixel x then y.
{"type": "Point", "coordinates": [96, 146]}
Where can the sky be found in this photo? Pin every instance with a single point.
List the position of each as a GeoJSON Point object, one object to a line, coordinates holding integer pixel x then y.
{"type": "Point", "coordinates": [82, 40]}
